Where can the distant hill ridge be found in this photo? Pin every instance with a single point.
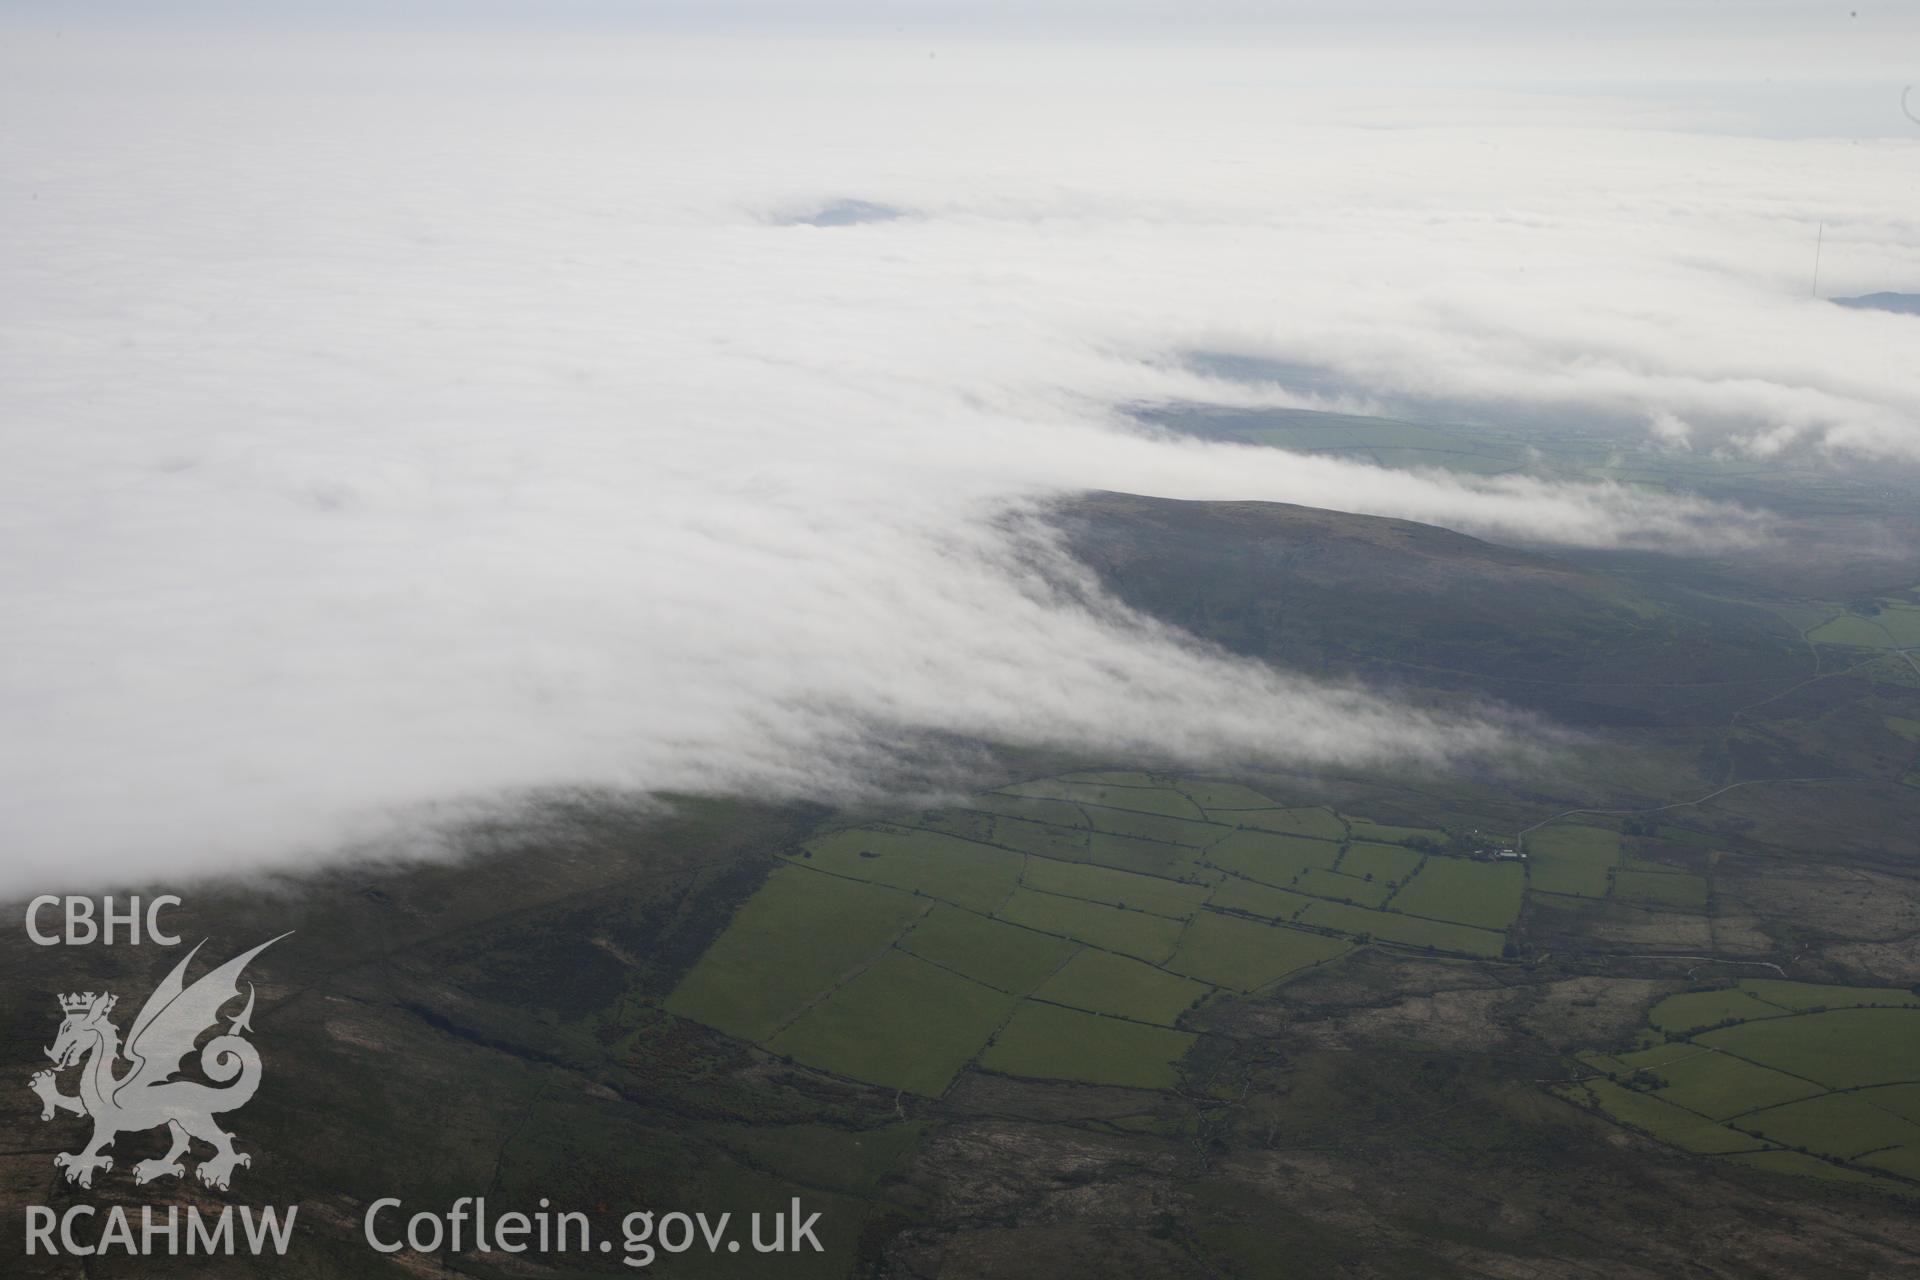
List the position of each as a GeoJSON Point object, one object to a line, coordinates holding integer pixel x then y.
{"type": "Point", "coordinates": [1903, 303]}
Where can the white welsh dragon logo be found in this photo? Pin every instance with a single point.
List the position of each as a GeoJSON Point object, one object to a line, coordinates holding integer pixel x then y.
{"type": "Point", "coordinates": [147, 1095]}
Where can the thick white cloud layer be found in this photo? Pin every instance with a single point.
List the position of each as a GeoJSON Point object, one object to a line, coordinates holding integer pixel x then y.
{"type": "Point", "coordinates": [405, 419]}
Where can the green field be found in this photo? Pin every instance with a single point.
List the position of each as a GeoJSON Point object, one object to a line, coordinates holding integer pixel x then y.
{"type": "Point", "coordinates": [1243, 955]}
{"type": "Point", "coordinates": [788, 943]}
{"type": "Point", "coordinates": [1896, 626]}
{"type": "Point", "coordinates": [1572, 860]}
{"type": "Point", "coordinates": [1479, 893]}
{"type": "Point", "coordinates": [1842, 1125]}
{"type": "Point", "coordinates": [1140, 799]}
{"type": "Point", "coordinates": [1059, 813]}
{"type": "Point", "coordinates": [1222, 795]}
{"type": "Point", "coordinates": [1901, 1099]}
{"type": "Point", "coordinates": [1045, 839]}
{"type": "Point", "coordinates": [1193, 834]}
{"type": "Point", "coordinates": [1254, 898]}
{"type": "Point", "coordinates": [1116, 888]}
{"type": "Point", "coordinates": [1130, 932]}
{"type": "Point", "coordinates": [1050, 1043]}
{"type": "Point", "coordinates": [1148, 857]}
{"type": "Point", "coordinates": [1383, 862]}
{"type": "Point", "coordinates": [1671, 1124]}
{"type": "Point", "coordinates": [1719, 1085]}
{"type": "Point", "coordinates": [941, 866]}
{"type": "Point", "coordinates": [901, 1022]}
{"type": "Point", "coordinates": [1698, 1010]}
{"type": "Point", "coordinates": [1101, 982]}
{"type": "Point", "coordinates": [1270, 858]}
{"type": "Point", "coordinates": [1841, 1048]}
{"type": "Point", "coordinates": [986, 950]}
{"type": "Point", "coordinates": [1382, 833]}
{"type": "Point", "coordinates": [1322, 823]}
{"type": "Point", "coordinates": [1796, 1070]}
{"type": "Point", "coordinates": [1342, 887]}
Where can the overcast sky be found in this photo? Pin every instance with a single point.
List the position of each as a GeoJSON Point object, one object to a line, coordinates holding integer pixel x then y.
{"type": "Point", "coordinates": [401, 411]}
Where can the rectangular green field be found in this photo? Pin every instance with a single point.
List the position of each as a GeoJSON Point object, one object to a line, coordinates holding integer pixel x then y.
{"type": "Point", "coordinates": [1808, 996]}
{"type": "Point", "coordinates": [1343, 888]}
{"type": "Point", "coordinates": [1843, 1125]}
{"type": "Point", "coordinates": [1841, 1049]}
{"type": "Point", "coordinates": [1901, 1099]}
{"type": "Point", "coordinates": [1904, 1161]}
{"type": "Point", "coordinates": [987, 950]}
{"type": "Point", "coordinates": [1669, 888]}
{"type": "Point", "coordinates": [1047, 1042]}
{"type": "Point", "coordinates": [1231, 952]}
{"type": "Point", "coordinates": [1799, 1165]}
{"type": "Point", "coordinates": [1135, 933]}
{"type": "Point", "coordinates": [1410, 931]}
{"type": "Point", "coordinates": [1384, 833]}
{"type": "Point", "coordinates": [1101, 982]}
{"type": "Point", "coordinates": [1574, 846]}
{"type": "Point", "coordinates": [1038, 837]}
{"type": "Point", "coordinates": [1161, 800]}
{"type": "Point", "coordinates": [1226, 796]}
{"type": "Point", "coordinates": [1719, 1086]}
{"type": "Point", "coordinates": [1381, 861]}
{"type": "Point", "coordinates": [941, 866]}
{"type": "Point", "coordinates": [1254, 898]}
{"type": "Point", "coordinates": [1115, 888]}
{"type": "Point", "coordinates": [1694, 1010]}
{"type": "Point", "coordinates": [1904, 726]}
{"type": "Point", "coordinates": [788, 943]}
{"type": "Point", "coordinates": [1670, 1124]}
{"type": "Point", "coordinates": [1148, 857]}
{"type": "Point", "coordinates": [1854, 632]}
{"type": "Point", "coordinates": [1481, 893]}
{"type": "Point", "coordinates": [1153, 826]}
{"type": "Point", "coordinates": [1660, 1056]}
{"type": "Point", "coordinates": [1058, 813]}
{"type": "Point", "coordinates": [1319, 823]}
{"type": "Point", "coordinates": [902, 1023]}
{"type": "Point", "coordinates": [1271, 858]}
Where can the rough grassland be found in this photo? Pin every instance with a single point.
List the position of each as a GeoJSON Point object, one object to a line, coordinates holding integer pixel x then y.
{"type": "Point", "coordinates": [1671, 889]}
{"type": "Point", "coordinates": [1105, 983]}
{"type": "Point", "coordinates": [901, 1023]}
{"type": "Point", "coordinates": [1051, 1043]}
{"type": "Point", "coordinates": [796, 937]}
